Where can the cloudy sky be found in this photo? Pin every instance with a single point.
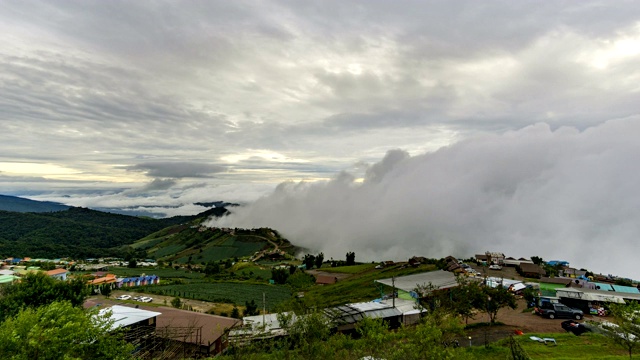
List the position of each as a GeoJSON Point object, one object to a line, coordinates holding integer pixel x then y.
{"type": "Point", "coordinates": [156, 105]}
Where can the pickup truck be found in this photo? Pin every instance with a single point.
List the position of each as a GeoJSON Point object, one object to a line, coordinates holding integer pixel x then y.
{"type": "Point", "coordinates": [553, 311]}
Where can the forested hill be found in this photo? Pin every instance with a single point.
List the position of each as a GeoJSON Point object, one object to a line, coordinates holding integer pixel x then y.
{"type": "Point", "coordinates": [78, 232]}
{"type": "Point", "coordinates": [18, 204]}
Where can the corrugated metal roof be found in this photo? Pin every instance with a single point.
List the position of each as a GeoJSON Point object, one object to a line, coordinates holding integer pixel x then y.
{"type": "Point", "coordinates": [439, 279]}
{"type": "Point", "coordinates": [595, 295]}
{"type": "Point", "coordinates": [625, 289]}
{"type": "Point", "coordinates": [352, 313]}
{"type": "Point", "coordinates": [602, 286]}
{"type": "Point", "coordinates": [125, 316]}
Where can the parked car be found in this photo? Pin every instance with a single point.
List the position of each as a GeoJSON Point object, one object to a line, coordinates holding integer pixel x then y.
{"type": "Point", "coordinates": [123, 297]}
{"type": "Point", "coordinates": [558, 310]}
{"type": "Point", "coordinates": [137, 298]}
{"type": "Point", "coordinates": [495, 267]}
{"type": "Point", "coordinates": [575, 327]}
{"type": "Point", "coordinates": [146, 299]}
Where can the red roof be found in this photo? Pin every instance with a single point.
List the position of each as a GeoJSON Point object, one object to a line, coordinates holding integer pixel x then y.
{"type": "Point", "coordinates": [56, 272]}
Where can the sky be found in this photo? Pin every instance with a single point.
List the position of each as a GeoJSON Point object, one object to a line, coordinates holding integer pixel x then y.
{"type": "Point", "coordinates": [388, 128]}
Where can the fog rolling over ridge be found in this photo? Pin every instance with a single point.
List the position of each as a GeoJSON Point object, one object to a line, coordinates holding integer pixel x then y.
{"type": "Point", "coordinates": [556, 193]}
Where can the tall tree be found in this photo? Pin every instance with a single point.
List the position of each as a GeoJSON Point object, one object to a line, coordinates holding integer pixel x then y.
{"type": "Point", "coordinates": [464, 298]}
{"type": "Point", "coordinates": [279, 276]}
{"type": "Point", "coordinates": [309, 260]}
{"type": "Point", "coordinates": [251, 308]}
{"type": "Point", "coordinates": [494, 299]}
{"type": "Point", "coordinates": [61, 331]}
{"type": "Point", "coordinates": [351, 258]}
{"type": "Point", "coordinates": [319, 260]}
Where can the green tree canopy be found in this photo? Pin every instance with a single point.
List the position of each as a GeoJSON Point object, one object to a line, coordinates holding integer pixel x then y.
{"type": "Point", "coordinates": [624, 330]}
{"type": "Point", "coordinates": [60, 330]}
{"type": "Point", "coordinates": [38, 289]}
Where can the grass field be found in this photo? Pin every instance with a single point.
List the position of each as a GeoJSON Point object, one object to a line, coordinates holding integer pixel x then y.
{"type": "Point", "coordinates": [355, 269]}
{"type": "Point", "coordinates": [229, 292]}
{"type": "Point", "coordinates": [587, 346]}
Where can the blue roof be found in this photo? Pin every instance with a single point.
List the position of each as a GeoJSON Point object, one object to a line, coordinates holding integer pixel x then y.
{"type": "Point", "coordinates": [626, 289]}
{"type": "Point", "coordinates": [558, 262]}
{"type": "Point", "coordinates": [603, 286]}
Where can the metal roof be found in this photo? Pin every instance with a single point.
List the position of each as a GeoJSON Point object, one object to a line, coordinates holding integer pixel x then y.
{"type": "Point", "coordinates": [124, 316]}
{"type": "Point", "coordinates": [595, 295]}
{"type": "Point", "coordinates": [406, 307]}
{"type": "Point", "coordinates": [352, 313]}
{"type": "Point", "coordinates": [625, 289]}
{"type": "Point", "coordinates": [271, 321]}
{"type": "Point", "coordinates": [439, 279]}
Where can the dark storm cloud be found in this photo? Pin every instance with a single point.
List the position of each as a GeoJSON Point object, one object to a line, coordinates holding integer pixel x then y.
{"type": "Point", "coordinates": [177, 170]}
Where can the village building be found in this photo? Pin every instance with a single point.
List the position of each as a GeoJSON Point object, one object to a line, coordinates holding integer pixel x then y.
{"type": "Point", "coordinates": [345, 317]}
{"type": "Point", "coordinates": [326, 280]}
{"type": "Point", "coordinates": [532, 270]}
{"type": "Point", "coordinates": [60, 274]}
{"type": "Point", "coordinates": [407, 286]}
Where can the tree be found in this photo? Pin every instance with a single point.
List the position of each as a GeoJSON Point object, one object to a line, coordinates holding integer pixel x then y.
{"type": "Point", "coordinates": [537, 260]}
{"type": "Point", "coordinates": [176, 302]}
{"type": "Point", "coordinates": [465, 298]}
{"type": "Point", "coordinates": [624, 330]}
{"type": "Point", "coordinates": [235, 313]}
{"type": "Point", "coordinates": [212, 268]}
{"type": "Point", "coordinates": [60, 330]}
{"type": "Point", "coordinates": [251, 308]}
{"type": "Point", "coordinates": [279, 276]}
{"type": "Point", "coordinates": [106, 290]}
{"type": "Point", "coordinates": [132, 264]}
{"type": "Point", "coordinates": [494, 299]}
{"type": "Point", "coordinates": [351, 258]}
{"type": "Point", "coordinates": [309, 260]}
{"type": "Point", "coordinates": [319, 260]}
{"type": "Point", "coordinates": [228, 264]}
{"type": "Point", "coordinates": [38, 289]}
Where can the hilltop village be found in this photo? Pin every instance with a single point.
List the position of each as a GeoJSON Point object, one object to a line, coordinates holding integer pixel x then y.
{"type": "Point", "coordinates": [206, 309]}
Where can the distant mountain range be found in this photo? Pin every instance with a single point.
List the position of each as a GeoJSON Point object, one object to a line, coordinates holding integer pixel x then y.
{"type": "Point", "coordinates": [22, 205]}
{"type": "Point", "coordinates": [18, 204]}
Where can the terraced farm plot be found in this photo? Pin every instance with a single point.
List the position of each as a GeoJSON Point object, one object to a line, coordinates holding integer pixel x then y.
{"type": "Point", "coordinates": [217, 253]}
{"type": "Point", "coordinates": [169, 250]}
{"type": "Point", "coordinates": [164, 273]}
{"type": "Point", "coordinates": [237, 293]}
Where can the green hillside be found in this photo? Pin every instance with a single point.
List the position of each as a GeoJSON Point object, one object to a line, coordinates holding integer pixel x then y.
{"type": "Point", "coordinates": [192, 243]}
{"type": "Point", "coordinates": [79, 232]}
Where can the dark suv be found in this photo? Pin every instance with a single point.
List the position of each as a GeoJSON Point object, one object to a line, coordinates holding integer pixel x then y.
{"type": "Point", "coordinates": [553, 311]}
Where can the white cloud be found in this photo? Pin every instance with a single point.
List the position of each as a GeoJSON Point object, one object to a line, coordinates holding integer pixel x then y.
{"type": "Point", "coordinates": [557, 194]}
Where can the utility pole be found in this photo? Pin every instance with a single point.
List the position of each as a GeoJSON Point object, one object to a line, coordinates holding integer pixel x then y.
{"type": "Point", "coordinates": [393, 294]}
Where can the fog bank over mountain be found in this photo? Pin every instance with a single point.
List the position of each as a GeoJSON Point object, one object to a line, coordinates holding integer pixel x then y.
{"type": "Point", "coordinates": [556, 193]}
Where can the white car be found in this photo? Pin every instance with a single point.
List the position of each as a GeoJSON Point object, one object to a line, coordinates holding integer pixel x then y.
{"type": "Point", "coordinates": [495, 267]}
{"type": "Point", "coordinates": [146, 299]}
{"type": "Point", "coordinates": [123, 297]}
